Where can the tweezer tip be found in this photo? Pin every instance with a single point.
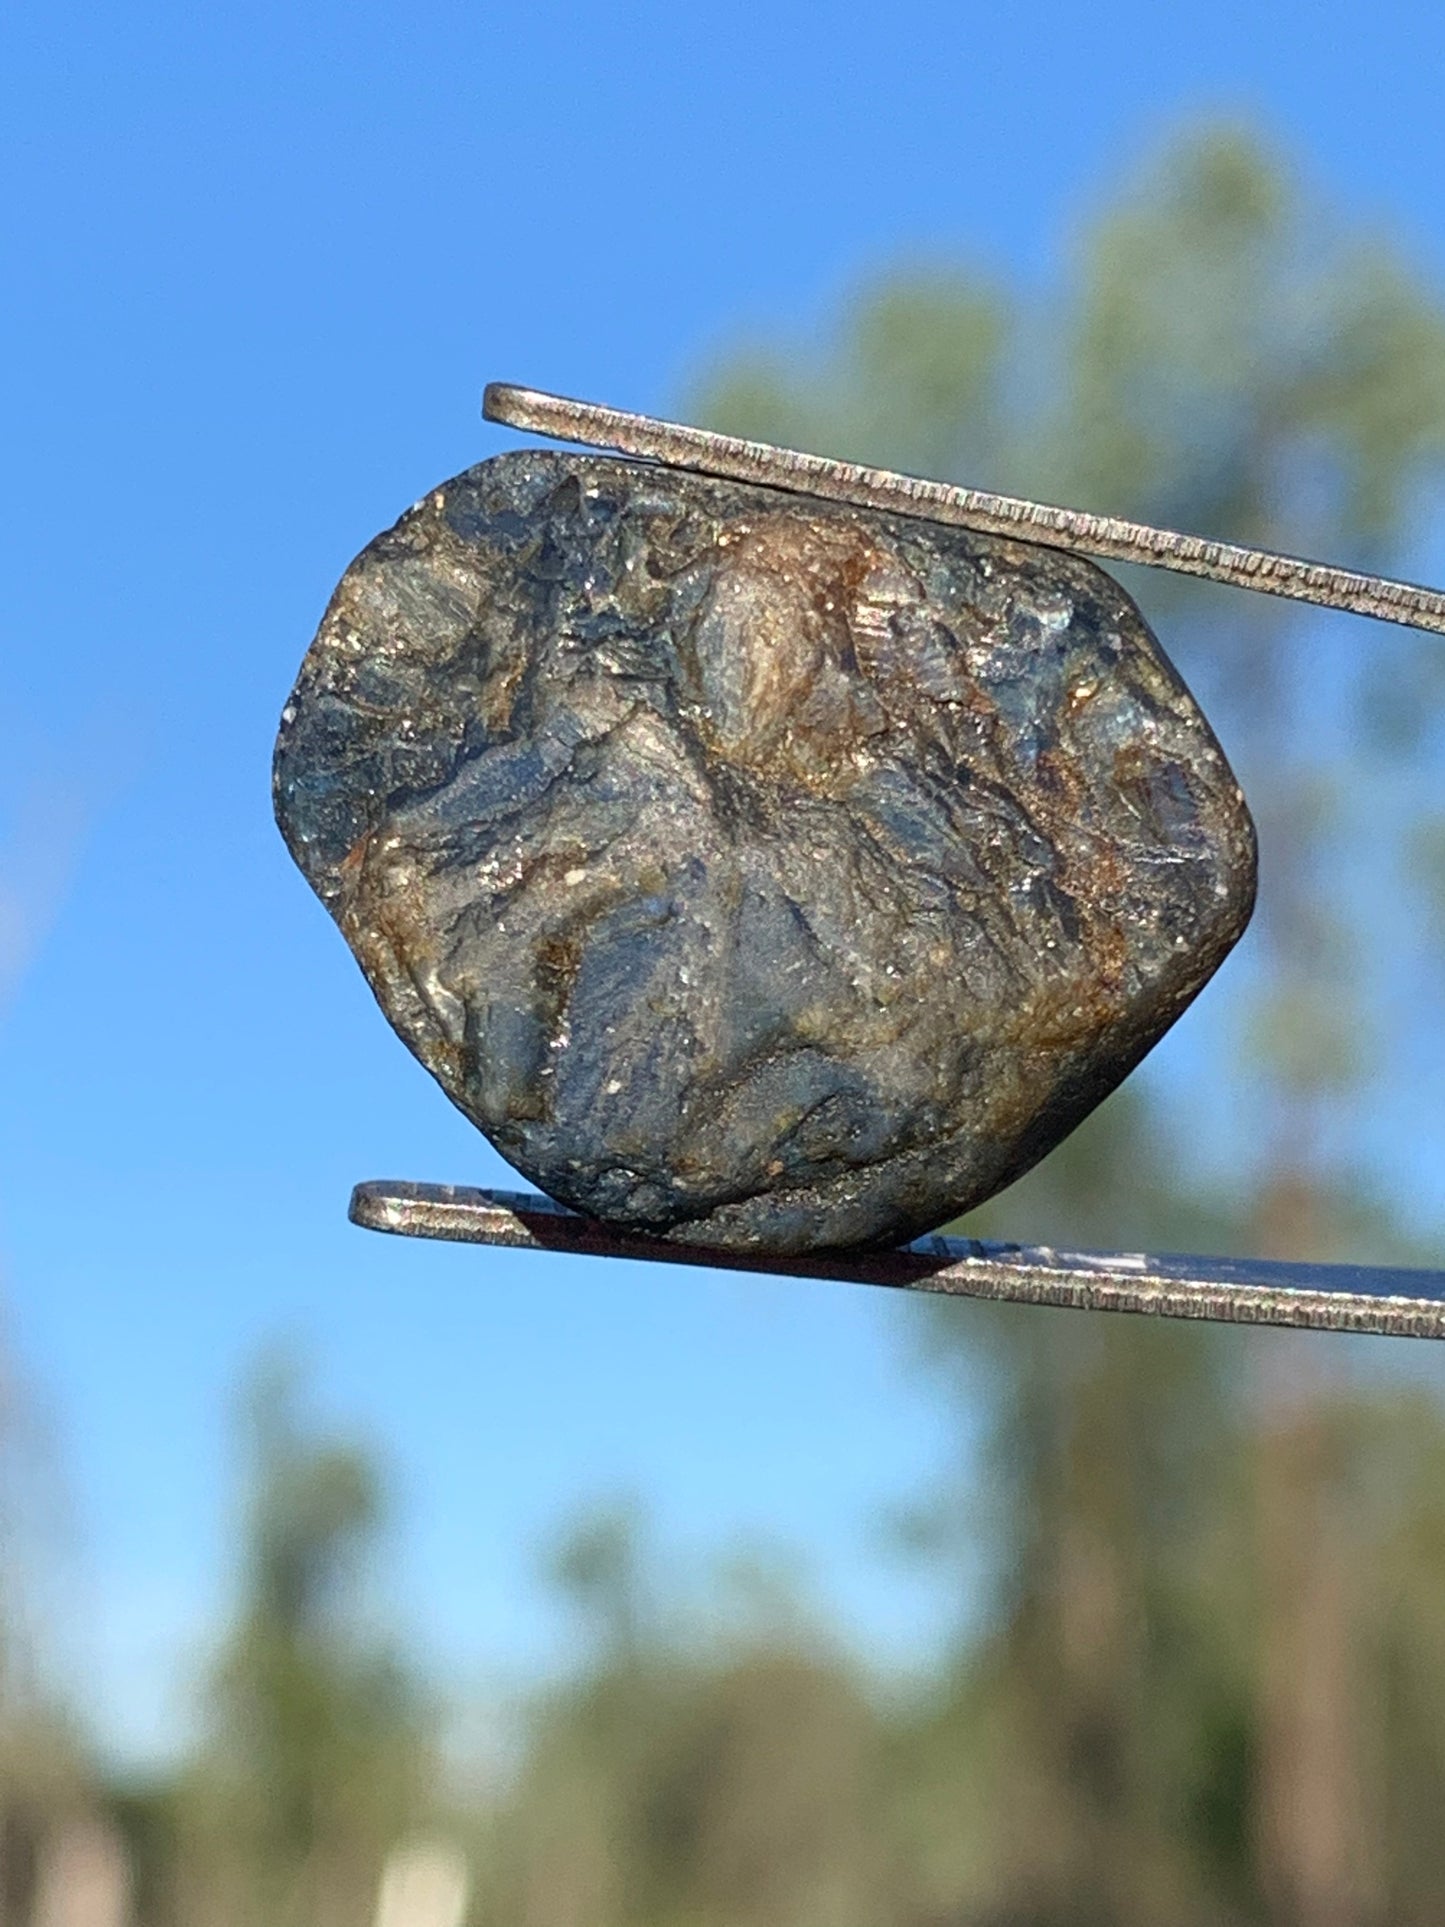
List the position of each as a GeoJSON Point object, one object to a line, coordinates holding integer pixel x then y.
{"type": "Point", "coordinates": [503, 401]}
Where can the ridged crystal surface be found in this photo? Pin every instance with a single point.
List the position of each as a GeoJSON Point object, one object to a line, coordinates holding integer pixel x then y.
{"type": "Point", "coordinates": [754, 871]}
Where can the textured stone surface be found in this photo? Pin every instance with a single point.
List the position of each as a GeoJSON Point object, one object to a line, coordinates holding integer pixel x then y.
{"type": "Point", "coordinates": [754, 871]}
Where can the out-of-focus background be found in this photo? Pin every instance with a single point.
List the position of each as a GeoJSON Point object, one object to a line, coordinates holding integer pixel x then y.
{"type": "Point", "coordinates": [352, 1583]}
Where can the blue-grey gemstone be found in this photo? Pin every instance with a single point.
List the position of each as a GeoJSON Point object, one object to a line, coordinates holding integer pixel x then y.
{"type": "Point", "coordinates": [755, 871]}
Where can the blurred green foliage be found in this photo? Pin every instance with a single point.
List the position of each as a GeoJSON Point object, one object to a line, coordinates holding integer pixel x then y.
{"type": "Point", "coordinates": [1174, 1709]}
{"type": "Point", "coordinates": [318, 1748]}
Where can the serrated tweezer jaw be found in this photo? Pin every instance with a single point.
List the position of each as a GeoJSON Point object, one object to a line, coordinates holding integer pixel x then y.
{"type": "Point", "coordinates": [1106, 537]}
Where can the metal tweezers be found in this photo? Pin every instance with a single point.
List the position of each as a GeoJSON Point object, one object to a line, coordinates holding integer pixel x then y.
{"type": "Point", "coordinates": [1317, 1297]}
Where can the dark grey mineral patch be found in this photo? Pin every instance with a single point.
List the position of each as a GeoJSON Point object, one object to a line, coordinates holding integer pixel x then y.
{"type": "Point", "coordinates": [754, 871]}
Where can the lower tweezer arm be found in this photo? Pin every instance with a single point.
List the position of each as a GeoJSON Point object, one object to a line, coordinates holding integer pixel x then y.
{"type": "Point", "coordinates": [1349, 1298]}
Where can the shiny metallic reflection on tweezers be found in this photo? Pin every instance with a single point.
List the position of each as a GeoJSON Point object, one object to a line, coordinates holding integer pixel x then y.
{"type": "Point", "coordinates": [1107, 537]}
{"type": "Point", "coordinates": [1236, 1291]}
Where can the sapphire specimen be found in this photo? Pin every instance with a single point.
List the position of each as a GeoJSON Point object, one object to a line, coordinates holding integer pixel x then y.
{"type": "Point", "coordinates": [755, 871]}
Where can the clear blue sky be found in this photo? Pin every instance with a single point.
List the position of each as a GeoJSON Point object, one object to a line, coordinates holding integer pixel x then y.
{"type": "Point", "coordinates": [261, 260]}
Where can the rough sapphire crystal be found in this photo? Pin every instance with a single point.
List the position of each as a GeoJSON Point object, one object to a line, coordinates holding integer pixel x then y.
{"type": "Point", "coordinates": [754, 871]}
